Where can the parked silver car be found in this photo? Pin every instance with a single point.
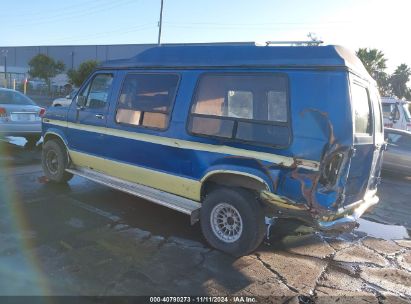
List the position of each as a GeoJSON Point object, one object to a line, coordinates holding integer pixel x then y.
{"type": "Point", "coordinates": [19, 116]}
{"type": "Point", "coordinates": [397, 158]}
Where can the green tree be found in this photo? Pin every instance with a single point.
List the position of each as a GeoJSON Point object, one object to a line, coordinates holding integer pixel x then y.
{"type": "Point", "coordinates": [78, 76]}
{"type": "Point", "coordinates": [45, 67]}
{"type": "Point", "coordinates": [399, 80]}
{"type": "Point", "coordinates": [375, 62]}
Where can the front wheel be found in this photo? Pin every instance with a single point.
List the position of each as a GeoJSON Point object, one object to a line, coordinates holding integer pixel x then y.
{"type": "Point", "coordinates": [55, 161]}
{"type": "Point", "coordinates": [232, 220]}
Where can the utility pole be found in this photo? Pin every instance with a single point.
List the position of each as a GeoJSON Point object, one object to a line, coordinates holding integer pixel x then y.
{"type": "Point", "coordinates": [72, 59]}
{"type": "Point", "coordinates": [160, 23]}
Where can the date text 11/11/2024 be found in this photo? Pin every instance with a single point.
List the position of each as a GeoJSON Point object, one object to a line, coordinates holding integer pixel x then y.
{"type": "Point", "coordinates": [203, 299]}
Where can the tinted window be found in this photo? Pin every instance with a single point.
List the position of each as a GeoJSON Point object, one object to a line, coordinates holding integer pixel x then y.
{"type": "Point", "coordinates": [10, 97]}
{"type": "Point", "coordinates": [362, 111]}
{"type": "Point", "coordinates": [399, 140]}
{"type": "Point", "coordinates": [96, 92]}
{"type": "Point", "coordinates": [277, 106]}
{"type": "Point", "coordinates": [240, 104]}
{"type": "Point", "coordinates": [146, 100]}
{"type": "Point", "coordinates": [244, 107]}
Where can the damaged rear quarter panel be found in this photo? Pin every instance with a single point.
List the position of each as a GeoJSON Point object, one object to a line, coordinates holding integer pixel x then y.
{"type": "Point", "coordinates": [321, 125]}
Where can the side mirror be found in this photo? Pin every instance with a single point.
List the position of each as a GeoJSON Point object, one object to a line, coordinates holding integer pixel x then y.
{"type": "Point", "coordinates": [81, 102]}
{"type": "Point", "coordinates": [68, 97]}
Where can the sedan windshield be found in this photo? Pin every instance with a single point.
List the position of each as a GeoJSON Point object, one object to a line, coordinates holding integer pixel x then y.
{"type": "Point", "coordinates": [11, 97]}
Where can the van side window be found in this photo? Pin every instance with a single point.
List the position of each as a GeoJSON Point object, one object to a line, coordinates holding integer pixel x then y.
{"type": "Point", "coordinates": [243, 107]}
{"type": "Point", "coordinates": [362, 110]}
{"type": "Point", "coordinates": [146, 99]}
{"type": "Point", "coordinates": [97, 91]}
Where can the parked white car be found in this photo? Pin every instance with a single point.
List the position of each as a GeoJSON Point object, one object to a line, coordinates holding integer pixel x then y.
{"type": "Point", "coordinates": [396, 113]}
{"type": "Point", "coordinates": [64, 101]}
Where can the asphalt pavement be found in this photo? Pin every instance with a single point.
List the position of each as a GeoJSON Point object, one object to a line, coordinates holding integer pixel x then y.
{"type": "Point", "coordinates": [86, 239]}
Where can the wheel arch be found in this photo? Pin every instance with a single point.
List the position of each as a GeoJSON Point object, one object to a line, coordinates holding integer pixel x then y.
{"type": "Point", "coordinates": [232, 178]}
{"type": "Point", "coordinates": [54, 135]}
{"type": "Point", "coordinates": [51, 135]}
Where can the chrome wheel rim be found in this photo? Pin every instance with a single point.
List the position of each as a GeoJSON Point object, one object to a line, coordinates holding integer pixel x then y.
{"type": "Point", "coordinates": [52, 161]}
{"type": "Point", "coordinates": [226, 223]}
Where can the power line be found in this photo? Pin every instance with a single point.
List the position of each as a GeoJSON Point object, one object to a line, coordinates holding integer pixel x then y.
{"type": "Point", "coordinates": [64, 16]}
{"type": "Point", "coordinates": [31, 12]}
{"type": "Point", "coordinates": [255, 24]}
{"type": "Point", "coordinates": [119, 32]}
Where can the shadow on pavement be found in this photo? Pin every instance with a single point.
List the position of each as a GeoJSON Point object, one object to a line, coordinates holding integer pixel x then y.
{"type": "Point", "coordinates": [15, 152]}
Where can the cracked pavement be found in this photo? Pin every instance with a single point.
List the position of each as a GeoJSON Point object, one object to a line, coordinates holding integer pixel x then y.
{"type": "Point", "coordinates": [85, 239]}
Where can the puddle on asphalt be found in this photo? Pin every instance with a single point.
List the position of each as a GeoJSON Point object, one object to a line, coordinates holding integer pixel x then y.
{"type": "Point", "coordinates": [383, 231]}
{"type": "Point", "coordinates": [18, 141]}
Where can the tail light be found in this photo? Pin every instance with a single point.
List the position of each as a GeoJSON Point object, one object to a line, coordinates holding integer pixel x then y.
{"type": "Point", "coordinates": [408, 127]}
{"type": "Point", "coordinates": [3, 112]}
{"type": "Point", "coordinates": [42, 112]}
{"type": "Point", "coordinates": [331, 170]}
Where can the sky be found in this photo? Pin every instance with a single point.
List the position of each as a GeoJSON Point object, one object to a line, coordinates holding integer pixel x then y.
{"type": "Point", "coordinates": [378, 24]}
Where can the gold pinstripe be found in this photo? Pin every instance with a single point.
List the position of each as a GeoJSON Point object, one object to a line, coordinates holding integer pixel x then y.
{"type": "Point", "coordinates": [184, 144]}
{"type": "Point", "coordinates": [163, 181]}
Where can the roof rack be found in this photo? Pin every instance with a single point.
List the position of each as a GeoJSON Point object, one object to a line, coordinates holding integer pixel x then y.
{"type": "Point", "coordinates": [296, 43]}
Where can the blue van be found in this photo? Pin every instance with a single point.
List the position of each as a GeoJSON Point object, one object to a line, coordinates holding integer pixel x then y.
{"type": "Point", "coordinates": [230, 135]}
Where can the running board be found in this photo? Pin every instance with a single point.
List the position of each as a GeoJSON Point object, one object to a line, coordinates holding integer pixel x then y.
{"type": "Point", "coordinates": [162, 198]}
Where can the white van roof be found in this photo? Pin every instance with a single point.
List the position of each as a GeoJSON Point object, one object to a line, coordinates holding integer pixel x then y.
{"type": "Point", "coordinates": [392, 100]}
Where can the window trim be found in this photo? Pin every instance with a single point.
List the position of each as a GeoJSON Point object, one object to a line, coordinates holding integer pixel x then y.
{"type": "Point", "coordinates": [169, 113]}
{"type": "Point", "coordinates": [362, 138]}
{"type": "Point", "coordinates": [287, 124]}
{"type": "Point", "coordinates": [90, 82]}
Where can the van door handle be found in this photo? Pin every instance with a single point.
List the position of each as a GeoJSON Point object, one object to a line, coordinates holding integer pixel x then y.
{"type": "Point", "coordinates": [100, 116]}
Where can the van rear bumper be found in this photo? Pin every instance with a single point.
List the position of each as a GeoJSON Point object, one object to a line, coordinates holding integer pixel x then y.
{"type": "Point", "coordinates": [349, 221]}
{"type": "Point", "coordinates": [341, 220]}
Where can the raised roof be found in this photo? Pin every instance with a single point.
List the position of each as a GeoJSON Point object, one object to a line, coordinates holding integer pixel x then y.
{"type": "Point", "coordinates": [186, 56]}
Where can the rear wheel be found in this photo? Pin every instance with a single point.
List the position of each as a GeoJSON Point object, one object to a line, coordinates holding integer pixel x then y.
{"type": "Point", "coordinates": [232, 220]}
{"type": "Point", "coordinates": [55, 161]}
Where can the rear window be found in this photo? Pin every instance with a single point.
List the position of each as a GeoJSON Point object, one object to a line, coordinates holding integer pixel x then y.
{"type": "Point", "coordinates": [362, 110]}
{"type": "Point", "coordinates": [376, 101]}
{"type": "Point", "coordinates": [243, 107]}
{"type": "Point", "coordinates": [11, 97]}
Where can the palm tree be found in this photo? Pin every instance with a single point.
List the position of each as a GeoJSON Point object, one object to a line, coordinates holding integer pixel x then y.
{"type": "Point", "coordinates": [375, 62]}
{"type": "Point", "coordinates": [399, 80]}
